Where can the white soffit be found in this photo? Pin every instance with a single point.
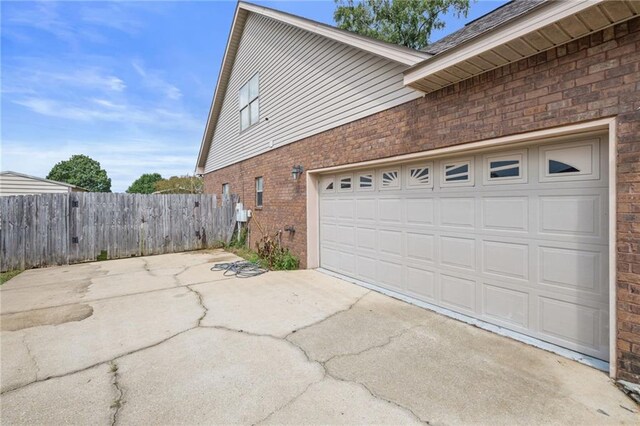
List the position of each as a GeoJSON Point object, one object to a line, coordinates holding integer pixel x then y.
{"type": "Point", "coordinates": [552, 24]}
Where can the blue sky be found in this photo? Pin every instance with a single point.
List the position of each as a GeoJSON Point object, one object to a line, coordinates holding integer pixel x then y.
{"type": "Point", "coordinates": [127, 83]}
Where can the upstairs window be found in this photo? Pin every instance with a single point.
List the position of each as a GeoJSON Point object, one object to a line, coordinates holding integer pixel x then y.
{"type": "Point", "coordinates": [259, 189]}
{"type": "Point", "coordinates": [249, 103]}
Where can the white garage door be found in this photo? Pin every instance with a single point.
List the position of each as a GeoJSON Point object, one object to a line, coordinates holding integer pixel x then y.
{"type": "Point", "coordinates": [517, 237]}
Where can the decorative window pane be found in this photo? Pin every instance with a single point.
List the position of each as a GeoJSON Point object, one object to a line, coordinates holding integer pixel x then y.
{"type": "Point", "coordinates": [244, 118]}
{"type": "Point", "coordinates": [253, 88]}
{"type": "Point", "coordinates": [505, 168]}
{"type": "Point", "coordinates": [419, 176]}
{"type": "Point", "coordinates": [327, 184]}
{"type": "Point", "coordinates": [244, 96]}
{"type": "Point", "coordinates": [457, 173]}
{"type": "Point", "coordinates": [249, 103]}
{"type": "Point", "coordinates": [345, 183]}
{"type": "Point", "coordinates": [259, 191]}
{"type": "Point", "coordinates": [365, 181]}
{"type": "Point", "coordinates": [390, 179]}
{"type": "Point", "coordinates": [570, 161]}
{"type": "Point", "coordinates": [255, 111]}
{"type": "Point", "coordinates": [556, 167]}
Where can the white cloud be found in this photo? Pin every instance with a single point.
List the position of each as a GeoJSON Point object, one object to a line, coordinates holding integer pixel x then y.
{"type": "Point", "coordinates": [153, 81]}
{"type": "Point", "coordinates": [105, 110]}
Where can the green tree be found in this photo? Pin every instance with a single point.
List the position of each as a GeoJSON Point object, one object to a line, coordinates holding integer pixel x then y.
{"type": "Point", "coordinates": [405, 22]}
{"type": "Point", "coordinates": [180, 185]}
{"type": "Point", "coordinates": [145, 184]}
{"type": "Point", "coordinates": [81, 171]}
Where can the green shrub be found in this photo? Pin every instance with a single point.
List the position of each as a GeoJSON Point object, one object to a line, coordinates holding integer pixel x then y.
{"type": "Point", "coordinates": [270, 254]}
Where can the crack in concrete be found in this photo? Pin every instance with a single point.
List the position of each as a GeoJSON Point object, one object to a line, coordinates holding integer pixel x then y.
{"type": "Point", "coordinates": [80, 370]}
{"type": "Point", "coordinates": [120, 296]}
{"type": "Point", "coordinates": [291, 401]}
{"type": "Point", "coordinates": [205, 310]}
{"type": "Point", "coordinates": [389, 340]}
{"type": "Point", "coordinates": [119, 401]}
{"type": "Point", "coordinates": [329, 316]}
{"type": "Point", "coordinates": [31, 355]}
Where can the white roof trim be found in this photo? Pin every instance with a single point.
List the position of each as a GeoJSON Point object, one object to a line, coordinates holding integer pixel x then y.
{"type": "Point", "coordinates": [392, 52]}
{"type": "Point", "coordinates": [55, 182]}
{"type": "Point", "coordinates": [538, 18]}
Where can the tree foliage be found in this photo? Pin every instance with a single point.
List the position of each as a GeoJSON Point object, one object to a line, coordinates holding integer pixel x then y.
{"type": "Point", "coordinates": [145, 184]}
{"type": "Point", "coordinates": [180, 185]}
{"type": "Point", "coordinates": [405, 22]}
{"type": "Point", "coordinates": [82, 171]}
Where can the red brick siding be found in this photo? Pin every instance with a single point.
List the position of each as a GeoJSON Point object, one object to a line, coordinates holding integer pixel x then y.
{"type": "Point", "coordinates": [594, 77]}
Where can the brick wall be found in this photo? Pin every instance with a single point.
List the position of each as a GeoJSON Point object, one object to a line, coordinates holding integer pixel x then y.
{"type": "Point", "coordinates": [595, 77]}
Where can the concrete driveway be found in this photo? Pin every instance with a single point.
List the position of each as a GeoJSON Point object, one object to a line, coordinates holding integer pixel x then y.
{"type": "Point", "coordinates": [164, 340]}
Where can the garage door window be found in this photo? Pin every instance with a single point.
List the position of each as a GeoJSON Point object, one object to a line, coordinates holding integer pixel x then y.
{"type": "Point", "coordinates": [365, 182]}
{"type": "Point", "coordinates": [328, 184]}
{"type": "Point", "coordinates": [505, 168]}
{"type": "Point", "coordinates": [390, 179]}
{"type": "Point", "coordinates": [575, 161]}
{"type": "Point", "coordinates": [345, 183]}
{"type": "Point", "coordinates": [457, 173]}
{"type": "Point", "coordinates": [419, 176]}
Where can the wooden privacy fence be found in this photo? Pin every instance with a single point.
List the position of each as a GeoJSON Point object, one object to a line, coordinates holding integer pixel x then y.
{"type": "Point", "coordinates": [57, 229]}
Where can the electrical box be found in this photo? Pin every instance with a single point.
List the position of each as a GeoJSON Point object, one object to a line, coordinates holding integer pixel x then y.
{"type": "Point", "coordinates": [241, 213]}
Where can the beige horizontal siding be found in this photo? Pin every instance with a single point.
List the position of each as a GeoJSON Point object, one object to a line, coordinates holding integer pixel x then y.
{"type": "Point", "coordinates": [308, 84]}
{"type": "Point", "coordinates": [19, 185]}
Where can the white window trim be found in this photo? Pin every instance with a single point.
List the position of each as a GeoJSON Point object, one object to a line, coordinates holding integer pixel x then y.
{"type": "Point", "coordinates": [398, 184]}
{"type": "Point", "coordinates": [339, 183]}
{"type": "Point", "coordinates": [226, 188]}
{"type": "Point", "coordinates": [520, 156]}
{"type": "Point", "coordinates": [373, 181]}
{"type": "Point", "coordinates": [594, 144]}
{"type": "Point", "coordinates": [457, 162]}
{"type": "Point", "coordinates": [407, 174]}
{"type": "Point", "coordinates": [250, 101]}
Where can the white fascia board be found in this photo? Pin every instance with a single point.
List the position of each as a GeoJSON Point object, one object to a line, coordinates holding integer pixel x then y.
{"type": "Point", "coordinates": [549, 13]}
{"type": "Point", "coordinates": [400, 54]}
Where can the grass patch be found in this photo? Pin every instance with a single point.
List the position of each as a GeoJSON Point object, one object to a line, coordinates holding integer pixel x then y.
{"type": "Point", "coordinates": [6, 276]}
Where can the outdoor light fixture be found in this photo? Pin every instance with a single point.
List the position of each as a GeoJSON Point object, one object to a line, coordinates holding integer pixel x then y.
{"type": "Point", "coordinates": [296, 172]}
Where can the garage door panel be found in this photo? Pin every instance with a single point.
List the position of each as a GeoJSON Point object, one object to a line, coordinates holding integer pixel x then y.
{"type": "Point", "coordinates": [345, 208]}
{"type": "Point", "coordinates": [505, 213]}
{"type": "Point", "coordinates": [510, 260]}
{"type": "Point", "coordinates": [366, 239]}
{"type": "Point", "coordinates": [390, 210]}
{"type": "Point", "coordinates": [366, 210]}
{"type": "Point", "coordinates": [458, 292]}
{"type": "Point", "coordinates": [366, 267]}
{"type": "Point", "coordinates": [390, 242]}
{"type": "Point", "coordinates": [421, 283]}
{"type": "Point", "coordinates": [420, 211]}
{"type": "Point", "coordinates": [329, 232]}
{"type": "Point", "coordinates": [530, 257]}
{"type": "Point", "coordinates": [347, 262]}
{"type": "Point", "coordinates": [570, 215]}
{"type": "Point", "coordinates": [346, 235]}
{"type": "Point", "coordinates": [458, 252]}
{"type": "Point", "coordinates": [572, 324]}
{"type": "Point", "coordinates": [390, 274]}
{"type": "Point", "coordinates": [576, 269]}
{"type": "Point", "coordinates": [420, 246]}
{"type": "Point", "coordinates": [458, 212]}
{"type": "Point", "coordinates": [506, 305]}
